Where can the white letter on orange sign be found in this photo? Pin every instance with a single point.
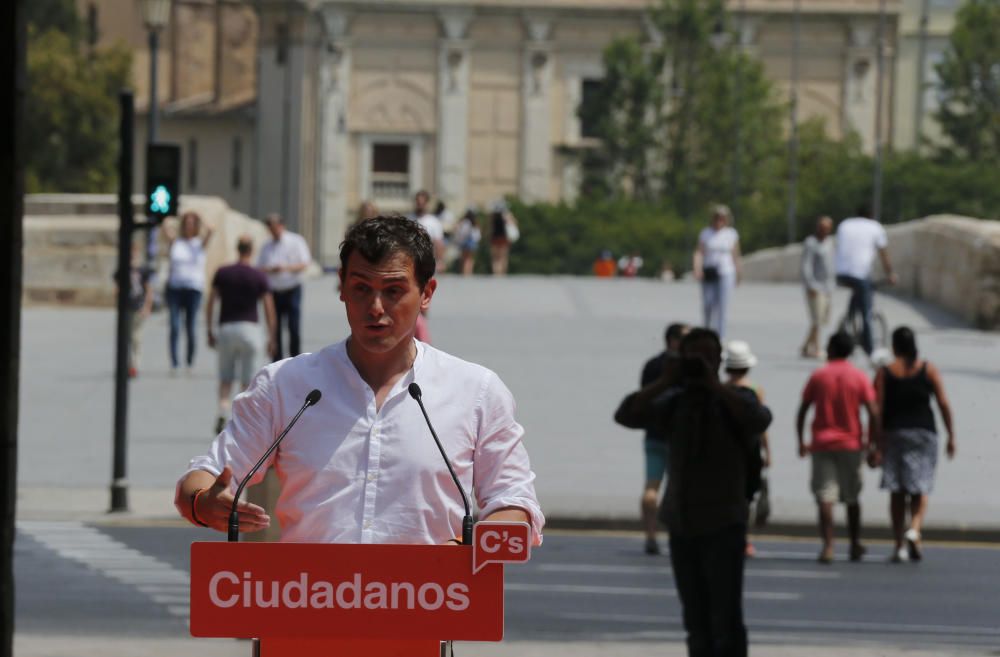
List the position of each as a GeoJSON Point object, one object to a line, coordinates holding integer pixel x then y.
{"type": "Point", "coordinates": [354, 587]}
{"type": "Point", "coordinates": [300, 586]}
{"type": "Point", "coordinates": [213, 589]}
{"type": "Point", "coordinates": [458, 597]}
{"type": "Point", "coordinates": [485, 546]}
{"type": "Point", "coordinates": [422, 596]}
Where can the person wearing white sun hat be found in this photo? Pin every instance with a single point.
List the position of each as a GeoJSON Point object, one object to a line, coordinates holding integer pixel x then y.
{"type": "Point", "coordinates": [739, 360]}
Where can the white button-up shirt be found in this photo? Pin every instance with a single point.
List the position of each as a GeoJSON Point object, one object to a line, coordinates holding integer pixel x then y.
{"type": "Point", "coordinates": [291, 249]}
{"type": "Point", "coordinates": [354, 474]}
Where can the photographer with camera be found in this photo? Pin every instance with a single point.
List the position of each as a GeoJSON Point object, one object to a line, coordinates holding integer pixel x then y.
{"type": "Point", "coordinates": [711, 429]}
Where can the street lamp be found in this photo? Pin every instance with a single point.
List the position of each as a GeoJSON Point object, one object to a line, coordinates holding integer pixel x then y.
{"type": "Point", "coordinates": [155, 16]}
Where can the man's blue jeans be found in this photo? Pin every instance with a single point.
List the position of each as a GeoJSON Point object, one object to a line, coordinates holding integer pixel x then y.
{"type": "Point", "coordinates": [288, 308]}
{"type": "Point", "coordinates": [861, 302]}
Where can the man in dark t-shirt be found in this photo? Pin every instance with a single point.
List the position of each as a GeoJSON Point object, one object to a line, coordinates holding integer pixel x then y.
{"type": "Point", "coordinates": [655, 442]}
{"type": "Point", "coordinates": [239, 287]}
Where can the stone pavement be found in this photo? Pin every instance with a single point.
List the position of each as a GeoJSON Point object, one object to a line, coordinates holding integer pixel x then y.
{"type": "Point", "coordinates": [569, 349]}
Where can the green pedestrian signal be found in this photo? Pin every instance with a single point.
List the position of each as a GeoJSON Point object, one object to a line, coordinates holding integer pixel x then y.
{"type": "Point", "coordinates": [163, 181]}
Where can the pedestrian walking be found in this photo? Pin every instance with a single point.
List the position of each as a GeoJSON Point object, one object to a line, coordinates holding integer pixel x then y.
{"type": "Point", "coordinates": [718, 265]}
{"type": "Point", "coordinates": [654, 445]}
{"type": "Point", "coordinates": [711, 429]}
{"type": "Point", "coordinates": [140, 302]}
{"type": "Point", "coordinates": [360, 467]}
{"type": "Point", "coordinates": [239, 342]}
{"type": "Point", "coordinates": [817, 280]}
{"type": "Point", "coordinates": [467, 236]}
{"type": "Point", "coordinates": [285, 259]}
{"type": "Point", "coordinates": [186, 284]}
{"type": "Point", "coordinates": [859, 240]}
{"type": "Point", "coordinates": [838, 390]}
{"type": "Point", "coordinates": [909, 441]}
{"type": "Point", "coordinates": [504, 232]}
{"type": "Point", "coordinates": [738, 362]}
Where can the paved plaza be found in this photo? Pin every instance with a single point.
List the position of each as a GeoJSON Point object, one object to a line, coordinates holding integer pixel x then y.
{"type": "Point", "coordinates": [569, 349]}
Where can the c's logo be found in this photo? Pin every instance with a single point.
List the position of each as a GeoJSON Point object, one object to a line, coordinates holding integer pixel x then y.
{"type": "Point", "coordinates": [500, 542]}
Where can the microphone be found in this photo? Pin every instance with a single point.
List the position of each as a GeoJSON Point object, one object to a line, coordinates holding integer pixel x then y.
{"type": "Point", "coordinates": [415, 392]}
{"type": "Point", "coordinates": [234, 519]}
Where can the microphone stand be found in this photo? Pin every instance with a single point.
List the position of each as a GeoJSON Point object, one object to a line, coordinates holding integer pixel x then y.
{"type": "Point", "coordinates": [467, 523]}
{"type": "Point", "coordinates": [234, 519]}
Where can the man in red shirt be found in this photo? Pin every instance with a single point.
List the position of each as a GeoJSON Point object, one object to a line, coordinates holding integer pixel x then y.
{"type": "Point", "coordinates": [838, 390]}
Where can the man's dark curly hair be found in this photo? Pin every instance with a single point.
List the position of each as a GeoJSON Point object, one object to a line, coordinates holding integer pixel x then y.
{"type": "Point", "coordinates": [699, 335]}
{"type": "Point", "coordinates": [379, 237]}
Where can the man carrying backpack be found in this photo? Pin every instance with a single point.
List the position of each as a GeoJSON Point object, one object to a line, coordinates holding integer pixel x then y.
{"type": "Point", "coordinates": [711, 429]}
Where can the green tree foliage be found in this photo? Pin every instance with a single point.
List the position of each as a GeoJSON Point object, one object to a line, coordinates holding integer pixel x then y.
{"type": "Point", "coordinates": [624, 112]}
{"type": "Point", "coordinates": [969, 86]}
{"type": "Point", "coordinates": [71, 106]}
{"type": "Point", "coordinates": [683, 121]}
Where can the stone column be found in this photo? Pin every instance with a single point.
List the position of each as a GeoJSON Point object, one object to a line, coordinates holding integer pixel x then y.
{"type": "Point", "coordinates": [859, 82]}
{"type": "Point", "coordinates": [536, 119]}
{"type": "Point", "coordinates": [335, 69]}
{"type": "Point", "coordinates": [453, 109]}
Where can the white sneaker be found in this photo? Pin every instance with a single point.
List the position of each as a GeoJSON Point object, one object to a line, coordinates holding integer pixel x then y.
{"type": "Point", "coordinates": [900, 556]}
{"type": "Point", "coordinates": [912, 537]}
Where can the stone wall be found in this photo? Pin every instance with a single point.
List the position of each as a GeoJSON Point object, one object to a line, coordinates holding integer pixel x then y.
{"type": "Point", "coordinates": [951, 261]}
{"type": "Point", "coordinates": [71, 244]}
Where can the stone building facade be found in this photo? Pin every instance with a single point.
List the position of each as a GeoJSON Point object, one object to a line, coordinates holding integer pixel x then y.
{"type": "Point", "coordinates": [354, 99]}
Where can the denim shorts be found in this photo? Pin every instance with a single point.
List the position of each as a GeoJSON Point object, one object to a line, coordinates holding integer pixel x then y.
{"type": "Point", "coordinates": [657, 459]}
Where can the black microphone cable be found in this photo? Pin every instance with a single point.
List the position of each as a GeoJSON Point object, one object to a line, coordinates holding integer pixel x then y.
{"type": "Point", "coordinates": [234, 518]}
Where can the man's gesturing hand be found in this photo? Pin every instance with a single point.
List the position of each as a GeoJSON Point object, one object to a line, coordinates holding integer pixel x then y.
{"type": "Point", "coordinates": [214, 503]}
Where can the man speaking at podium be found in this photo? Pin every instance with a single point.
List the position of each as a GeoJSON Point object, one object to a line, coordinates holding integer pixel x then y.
{"type": "Point", "coordinates": [362, 467]}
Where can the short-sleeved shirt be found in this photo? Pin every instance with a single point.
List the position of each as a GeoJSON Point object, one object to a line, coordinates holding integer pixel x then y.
{"type": "Point", "coordinates": [858, 242]}
{"type": "Point", "coordinates": [240, 287]}
{"type": "Point", "coordinates": [817, 264]}
{"type": "Point", "coordinates": [187, 264]}
{"type": "Point", "coordinates": [291, 249]}
{"type": "Point", "coordinates": [837, 390]}
{"type": "Point", "coordinates": [718, 248]}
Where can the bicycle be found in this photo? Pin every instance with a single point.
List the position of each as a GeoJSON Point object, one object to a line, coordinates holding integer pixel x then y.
{"type": "Point", "coordinates": [851, 323]}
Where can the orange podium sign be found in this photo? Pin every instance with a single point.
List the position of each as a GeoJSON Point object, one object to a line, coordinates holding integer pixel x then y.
{"type": "Point", "coordinates": [377, 600]}
{"type": "Point", "coordinates": [308, 590]}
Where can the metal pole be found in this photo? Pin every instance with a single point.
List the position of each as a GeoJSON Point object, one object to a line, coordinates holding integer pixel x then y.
{"type": "Point", "coordinates": [152, 120]}
{"type": "Point", "coordinates": [12, 72]}
{"type": "Point", "coordinates": [918, 119]}
{"type": "Point", "coordinates": [286, 122]}
{"type": "Point", "coordinates": [738, 128]}
{"type": "Point", "coordinates": [257, 134]}
{"type": "Point", "coordinates": [119, 482]}
{"type": "Point", "coordinates": [879, 74]}
{"type": "Point", "coordinates": [793, 131]}
{"type": "Point", "coordinates": [152, 128]}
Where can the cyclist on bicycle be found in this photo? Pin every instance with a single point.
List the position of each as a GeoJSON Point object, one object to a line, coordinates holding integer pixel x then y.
{"type": "Point", "coordinates": [859, 239]}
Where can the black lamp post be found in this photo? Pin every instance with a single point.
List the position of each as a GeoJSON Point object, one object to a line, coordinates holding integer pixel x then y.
{"type": "Point", "coordinates": [155, 16]}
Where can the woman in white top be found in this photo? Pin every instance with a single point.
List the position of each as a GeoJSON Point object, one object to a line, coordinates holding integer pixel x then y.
{"type": "Point", "coordinates": [718, 266]}
{"type": "Point", "coordinates": [186, 283]}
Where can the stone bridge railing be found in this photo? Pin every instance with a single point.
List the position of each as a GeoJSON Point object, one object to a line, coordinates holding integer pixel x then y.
{"type": "Point", "coordinates": [951, 261]}
{"type": "Point", "coordinates": [71, 244]}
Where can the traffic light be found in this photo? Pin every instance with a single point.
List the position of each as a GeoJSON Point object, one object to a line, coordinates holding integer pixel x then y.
{"type": "Point", "coordinates": [163, 181]}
